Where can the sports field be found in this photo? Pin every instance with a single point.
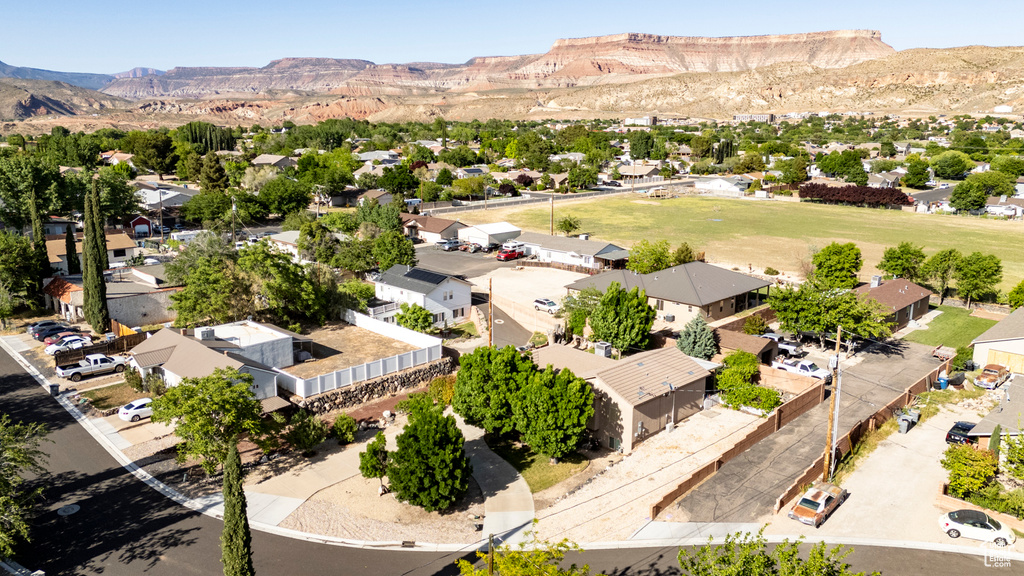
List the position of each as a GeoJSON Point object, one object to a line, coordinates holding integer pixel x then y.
{"type": "Point", "coordinates": [779, 234]}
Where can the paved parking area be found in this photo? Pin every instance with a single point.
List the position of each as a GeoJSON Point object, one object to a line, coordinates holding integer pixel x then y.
{"type": "Point", "coordinates": [458, 263]}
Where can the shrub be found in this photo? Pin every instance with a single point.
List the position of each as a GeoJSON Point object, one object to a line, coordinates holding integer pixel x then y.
{"type": "Point", "coordinates": [997, 435]}
{"type": "Point", "coordinates": [759, 397]}
{"type": "Point", "coordinates": [442, 389]}
{"type": "Point", "coordinates": [964, 354]}
{"type": "Point", "coordinates": [771, 271]}
{"type": "Point", "coordinates": [154, 384]}
{"type": "Point", "coordinates": [755, 324]}
{"type": "Point", "coordinates": [133, 379]}
{"type": "Point", "coordinates": [344, 429]}
{"type": "Point", "coordinates": [969, 469]}
{"type": "Point", "coordinates": [305, 432]}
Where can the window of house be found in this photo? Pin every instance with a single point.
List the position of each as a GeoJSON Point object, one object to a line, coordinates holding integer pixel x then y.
{"type": "Point", "coordinates": [689, 308]}
{"type": "Point", "coordinates": [659, 305]}
{"type": "Point", "coordinates": [438, 317]}
{"type": "Point", "coordinates": [119, 253]}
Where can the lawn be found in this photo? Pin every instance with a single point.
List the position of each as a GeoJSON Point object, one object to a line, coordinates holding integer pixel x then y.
{"type": "Point", "coordinates": [773, 233]}
{"type": "Point", "coordinates": [536, 469]}
{"type": "Point", "coordinates": [112, 396]}
{"type": "Point", "coordinates": [955, 327]}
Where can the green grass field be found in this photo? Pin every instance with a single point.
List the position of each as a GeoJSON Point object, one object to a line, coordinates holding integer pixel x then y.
{"type": "Point", "coordinates": [954, 327]}
{"type": "Point", "coordinates": [779, 234]}
{"type": "Point", "coordinates": [536, 469]}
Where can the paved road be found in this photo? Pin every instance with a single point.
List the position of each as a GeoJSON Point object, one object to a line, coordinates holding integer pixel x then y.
{"type": "Point", "coordinates": [746, 487]}
{"type": "Point", "coordinates": [126, 528]}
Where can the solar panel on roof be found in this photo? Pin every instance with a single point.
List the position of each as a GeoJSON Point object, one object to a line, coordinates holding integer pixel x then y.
{"type": "Point", "coordinates": [425, 276]}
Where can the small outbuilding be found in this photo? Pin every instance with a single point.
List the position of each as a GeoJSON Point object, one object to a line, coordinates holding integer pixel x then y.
{"type": "Point", "coordinates": [494, 233]}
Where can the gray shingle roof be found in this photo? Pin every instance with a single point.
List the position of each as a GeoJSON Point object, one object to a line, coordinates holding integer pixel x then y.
{"type": "Point", "coordinates": [694, 283]}
{"type": "Point", "coordinates": [1007, 329]}
{"type": "Point", "coordinates": [565, 244]}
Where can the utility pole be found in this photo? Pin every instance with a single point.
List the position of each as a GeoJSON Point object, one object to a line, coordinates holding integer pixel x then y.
{"type": "Point", "coordinates": [490, 555]}
{"type": "Point", "coordinates": [552, 213]}
{"type": "Point", "coordinates": [490, 312]}
{"type": "Point", "coordinates": [826, 472]}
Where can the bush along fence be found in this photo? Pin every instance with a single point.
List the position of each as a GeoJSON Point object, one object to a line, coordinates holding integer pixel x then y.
{"type": "Point", "coordinates": [780, 417]}
{"type": "Point", "coordinates": [857, 431]}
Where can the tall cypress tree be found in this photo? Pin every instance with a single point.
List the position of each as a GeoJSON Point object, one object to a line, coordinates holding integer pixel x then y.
{"type": "Point", "coordinates": [235, 540]}
{"type": "Point", "coordinates": [71, 249]}
{"type": "Point", "coordinates": [99, 224]}
{"type": "Point", "coordinates": [42, 260]}
{"type": "Point", "coordinates": [93, 287]}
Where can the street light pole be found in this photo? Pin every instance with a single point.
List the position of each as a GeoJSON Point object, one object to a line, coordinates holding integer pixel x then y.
{"type": "Point", "coordinates": [826, 473]}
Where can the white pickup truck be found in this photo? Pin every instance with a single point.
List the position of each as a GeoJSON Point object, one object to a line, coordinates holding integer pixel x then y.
{"type": "Point", "coordinates": [785, 346]}
{"type": "Point", "coordinates": [92, 365]}
{"type": "Point", "coordinates": [804, 368]}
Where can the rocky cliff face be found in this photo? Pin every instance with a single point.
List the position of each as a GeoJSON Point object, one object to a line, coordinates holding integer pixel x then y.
{"type": "Point", "coordinates": [21, 99]}
{"type": "Point", "coordinates": [569, 63]}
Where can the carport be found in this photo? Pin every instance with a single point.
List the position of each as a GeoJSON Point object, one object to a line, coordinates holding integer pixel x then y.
{"type": "Point", "coordinates": [1003, 343]}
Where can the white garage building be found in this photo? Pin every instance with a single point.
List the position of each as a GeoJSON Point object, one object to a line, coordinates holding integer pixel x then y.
{"type": "Point", "coordinates": [494, 233]}
{"type": "Point", "coordinates": [1003, 343]}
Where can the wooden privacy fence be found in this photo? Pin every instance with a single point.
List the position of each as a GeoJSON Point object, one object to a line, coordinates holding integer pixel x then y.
{"type": "Point", "coordinates": [115, 346]}
{"type": "Point", "coordinates": [561, 266]}
{"type": "Point", "coordinates": [857, 431]}
{"type": "Point", "coordinates": [783, 415]}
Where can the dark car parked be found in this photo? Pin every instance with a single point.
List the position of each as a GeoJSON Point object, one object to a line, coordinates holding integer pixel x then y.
{"type": "Point", "coordinates": [958, 434]}
{"type": "Point", "coordinates": [488, 248]}
{"type": "Point", "coordinates": [41, 335]}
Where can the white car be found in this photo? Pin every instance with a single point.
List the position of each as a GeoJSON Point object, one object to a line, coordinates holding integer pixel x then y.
{"type": "Point", "coordinates": [976, 526]}
{"type": "Point", "coordinates": [547, 305]}
{"type": "Point", "coordinates": [136, 410]}
{"type": "Point", "coordinates": [68, 343]}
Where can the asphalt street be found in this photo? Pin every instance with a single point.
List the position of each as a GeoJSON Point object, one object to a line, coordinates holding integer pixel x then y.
{"type": "Point", "coordinates": [457, 262]}
{"type": "Point", "coordinates": [124, 527]}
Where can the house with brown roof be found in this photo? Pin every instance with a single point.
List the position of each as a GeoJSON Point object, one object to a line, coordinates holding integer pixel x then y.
{"type": "Point", "coordinates": [907, 300]}
{"type": "Point", "coordinates": [730, 341]}
{"type": "Point", "coordinates": [120, 247]}
{"type": "Point", "coordinates": [430, 229]}
{"type": "Point", "coordinates": [646, 393]}
{"type": "Point", "coordinates": [248, 347]}
{"type": "Point", "coordinates": [135, 297]}
{"type": "Point", "coordinates": [274, 160]}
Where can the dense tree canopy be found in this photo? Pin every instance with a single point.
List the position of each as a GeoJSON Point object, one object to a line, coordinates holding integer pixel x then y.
{"type": "Point", "coordinates": [837, 265]}
{"type": "Point", "coordinates": [623, 318]}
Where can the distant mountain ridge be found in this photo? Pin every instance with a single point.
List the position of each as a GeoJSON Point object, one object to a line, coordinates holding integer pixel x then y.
{"type": "Point", "coordinates": [82, 79]}
{"type": "Point", "coordinates": [569, 63]}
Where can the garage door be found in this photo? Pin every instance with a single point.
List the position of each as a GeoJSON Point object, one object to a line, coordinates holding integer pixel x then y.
{"type": "Point", "coordinates": [1015, 362]}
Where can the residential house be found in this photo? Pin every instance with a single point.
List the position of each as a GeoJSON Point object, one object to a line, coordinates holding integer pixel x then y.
{"type": "Point", "coordinates": [179, 354]}
{"type": "Point", "coordinates": [115, 157]}
{"type": "Point", "coordinates": [119, 248]}
{"type": "Point", "coordinates": [1008, 415]}
{"type": "Point", "coordinates": [381, 156]}
{"type": "Point", "coordinates": [287, 242]}
{"type": "Point", "coordinates": [576, 157]}
{"type": "Point", "coordinates": [156, 195]}
{"type": "Point", "coordinates": [380, 195]}
{"type": "Point", "coordinates": [1019, 186]}
{"type": "Point", "coordinates": [724, 185]}
{"type": "Point", "coordinates": [274, 160]}
{"type": "Point", "coordinates": [56, 225]}
{"type": "Point", "coordinates": [643, 394]}
{"type": "Point", "coordinates": [884, 180]}
{"type": "Point", "coordinates": [906, 300]}
{"type": "Point", "coordinates": [135, 297]}
{"type": "Point", "coordinates": [682, 292]}
{"type": "Point", "coordinates": [471, 172]}
{"type": "Point", "coordinates": [1003, 343]}
{"type": "Point", "coordinates": [730, 341]}
{"type": "Point", "coordinates": [446, 297]}
{"type": "Point", "coordinates": [430, 228]}
{"type": "Point", "coordinates": [484, 234]}
{"type": "Point", "coordinates": [638, 171]}
{"type": "Point", "coordinates": [1003, 206]}
{"type": "Point", "coordinates": [140, 226]}
{"type": "Point", "coordinates": [581, 252]}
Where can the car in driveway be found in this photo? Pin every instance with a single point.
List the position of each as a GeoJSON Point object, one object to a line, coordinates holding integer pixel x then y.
{"type": "Point", "coordinates": [546, 304]}
{"type": "Point", "coordinates": [992, 376]}
{"type": "Point", "coordinates": [69, 343]}
{"type": "Point", "coordinates": [54, 338]}
{"type": "Point", "coordinates": [818, 503]}
{"type": "Point", "coordinates": [976, 525]}
{"type": "Point", "coordinates": [38, 326]}
{"type": "Point", "coordinates": [959, 433]}
{"type": "Point", "coordinates": [488, 248]}
{"type": "Point", "coordinates": [472, 248]}
{"type": "Point", "coordinates": [449, 244]}
{"type": "Point", "coordinates": [136, 410]}
{"type": "Point", "coordinates": [507, 254]}
{"type": "Point", "coordinates": [786, 347]}
{"type": "Point", "coordinates": [44, 334]}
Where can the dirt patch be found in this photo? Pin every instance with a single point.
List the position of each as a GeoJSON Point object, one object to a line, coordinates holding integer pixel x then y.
{"type": "Point", "coordinates": [979, 313]}
{"type": "Point", "coordinates": [341, 345]}
{"type": "Point", "coordinates": [645, 202]}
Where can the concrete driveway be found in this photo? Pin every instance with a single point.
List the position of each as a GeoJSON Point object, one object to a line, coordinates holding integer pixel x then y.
{"type": "Point", "coordinates": [892, 492]}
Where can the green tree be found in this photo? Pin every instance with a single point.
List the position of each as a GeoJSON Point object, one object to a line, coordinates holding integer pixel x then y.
{"type": "Point", "coordinates": [373, 462]}
{"type": "Point", "coordinates": [1014, 452]}
{"type": "Point", "coordinates": [623, 318]}
{"type": "Point", "coordinates": [154, 151]}
{"type": "Point", "coordinates": [578, 307]}
{"type": "Point", "coordinates": [305, 432]}
{"type": "Point", "coordinates": [682, 255]}
{"type": "Point", "coordinates": [969, 469]}
{"type": "Point", "coordinates": [1012, 165]}
{"type": "Point", "coordinates": [887, 150]}
{"type": "Point", "coordinates": [487, 384]}
{"type": "Point", "coordinates": [215, 291]}
{"type": "Point", "coordinates": [391, 248]}
{"type": "Point", "coordinates": [974, 192]}
{"type": "Point", "coordinates": [283, 195]}
{"type": "Point", "coordinates": [429, 467]}
{"type": "Point", "coordinates": [20, 459]}
{"type": "Point", "coordinates": [952, 165]}
{"type": "Point", "coordinates": [317, 243]}
{"type": "Point", "coordinates": [415, 317]}
{"type": "Point", "coordinates": [397, 179]}
{"type": "Point", "coordinates": [71, 249]}
{"type": "Point", "coordinates": [743, 554]}
{"type": "Point", "coordinates": [977, 276]}
{"type": "Point", "coordinates": [1016, 296]}
{"type": "Point", "coordinates": [641, 144]}
{"type": "Point", "coordinates": [235, 539]}
{"type": "Point", "coordinates": [94, 251]}
{"type": "Point", "coordinates": [581, 176]}
{"type": "Point", "coordinates": [18, 265]}
{"type": "Point", "coordinates": [552, 411]}
{"type": "Point", "coordinates": [211, 413]}
{"type": "Point", "coordinates": [28, 186]}
{"type": "Point", "coordinates": [646, 257]}
{"type": "Point", "coordinates": [837, 265]}
{"type": "Point", "coordinates": [755, 324]}
{"type": "Point", "coordinates": [568, 225]}
{"type": "Point", "coordinates": [344, 429]}
{"type": "Point", "coordinates": [795, 171]}
{"type": "Point", "coordinates": [207, 206]}
{"type": "Point", "coordinates": [529, 558]}
{"type": "Point", "coordinates": [118, 199]}
{"type": "Point", "coordinates": [941, 269]}
{"type": "Point", "coordinates": [819, 308]}
{"type": "Point", "coordinates": [903, 261]}
{"type": "Point", "coordinates": [917, 176]}
{"type": "Point", "coordinates": [444, 177]}
{"type": "Point", "coordinates": [697, 339]}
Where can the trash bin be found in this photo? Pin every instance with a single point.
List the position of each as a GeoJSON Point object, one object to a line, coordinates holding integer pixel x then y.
{"type": "Point", "coordinates": [904, 423]}
{"type": "Point", "coordinates": [943, 383]}
{"type": "Point", "coordinates": [914, 416]}
{"type": "Point", "coordinates": [54, 390]}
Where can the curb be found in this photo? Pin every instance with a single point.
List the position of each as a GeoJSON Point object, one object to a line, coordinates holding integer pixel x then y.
{"type": "Point", "coordinates": [481, 544]}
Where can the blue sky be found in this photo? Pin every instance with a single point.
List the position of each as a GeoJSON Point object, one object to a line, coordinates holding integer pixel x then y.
{"type": "Point", "coordinates": [78, 36]}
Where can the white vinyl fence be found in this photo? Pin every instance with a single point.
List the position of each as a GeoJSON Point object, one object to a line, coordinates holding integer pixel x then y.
{"type": "Point", "coordinates": [429, 350]}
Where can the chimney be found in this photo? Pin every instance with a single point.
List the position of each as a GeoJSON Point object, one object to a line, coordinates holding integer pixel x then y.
{"type": "Point", "coordinates": [876, 281]}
